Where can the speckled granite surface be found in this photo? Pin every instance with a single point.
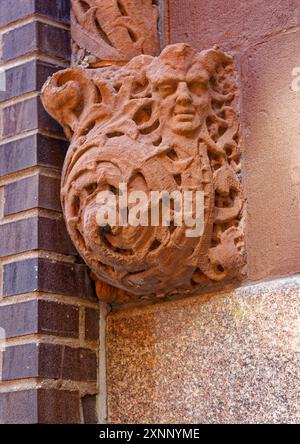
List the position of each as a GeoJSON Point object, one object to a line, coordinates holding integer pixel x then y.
{"type": "Point", "coordinates": [226, 358]}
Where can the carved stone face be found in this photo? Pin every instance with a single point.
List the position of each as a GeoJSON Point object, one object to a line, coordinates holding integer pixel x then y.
{"type": "Point", "coordinates": [180, 79]}
{"type": "Point", "coordinates": [139, 124]}
{"type": "Point", "coordinates": [183, 101]}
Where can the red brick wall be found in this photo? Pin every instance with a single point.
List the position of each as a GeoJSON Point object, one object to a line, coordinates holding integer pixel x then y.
{"type": "Point", "coordinates": [48, 309]}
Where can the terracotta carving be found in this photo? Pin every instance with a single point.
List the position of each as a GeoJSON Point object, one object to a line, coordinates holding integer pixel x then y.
{"type": "Point", "coordinates": [113, 30]}
{"type": "Point", "coordinates": [157, 123]}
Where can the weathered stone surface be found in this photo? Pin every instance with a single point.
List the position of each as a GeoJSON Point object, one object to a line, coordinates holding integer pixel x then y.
{"type": "Point", "coordinates": [271, 112]}
{"type": "Point", "coordinates": [163, 124]}
{"type": "Point", "coordinates": [109, 30]}
{"type": "Point", "coordinates": [224, 358]}
{"type": "Point", "coordinates": [231, 25]}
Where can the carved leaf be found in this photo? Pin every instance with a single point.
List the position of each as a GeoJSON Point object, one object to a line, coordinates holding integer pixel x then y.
{"type": "Point", "coordinates": [113, 30]}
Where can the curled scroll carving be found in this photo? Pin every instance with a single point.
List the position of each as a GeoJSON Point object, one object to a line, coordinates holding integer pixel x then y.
{"type": "Point", "coordinates": [157, 123]}
{"type": "Point", "coordinates": [113, 30]}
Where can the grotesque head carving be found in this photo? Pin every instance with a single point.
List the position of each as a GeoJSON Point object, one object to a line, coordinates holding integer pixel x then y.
{"type": "Point", "coordinates": [180, 87]}
{"type": "Point", "coordinates": [164, 123]}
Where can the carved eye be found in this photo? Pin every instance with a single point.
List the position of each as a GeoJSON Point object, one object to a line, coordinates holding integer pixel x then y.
{"type": "Point", "coordinates": [91, 188]}
{"type": "Point", "coordinates": [198, 87]}
{"type": "Point", "coordinates": [166, 89]}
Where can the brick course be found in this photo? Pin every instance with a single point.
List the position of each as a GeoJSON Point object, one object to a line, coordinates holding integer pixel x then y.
{"type": "Point", "coordinates": [40, 316]}
{"type": "Point", "coordinates": [48, 276]}
{"type": "Point", "coordinates": [29, 151]}
{"type": "Point", "coordinates": [89, 409]}
{"type": "Point", "coordinates": [25, 78]}
{"type": "Point", "coordinates": [12, 10]}
{"type": "Point", "coordinates": [51, 361]}
{"type": "Point", "coordinates": [36, 36]}
{"type": "Point", "coordinates": [35, 233]}
{"type": "Point", "coordinates": [48, 308]}
{"type": "Point", "coordinates": [91, 324]}
{"type": "Point", "coordinates": [25, 116]}
{"type": "Point", "coordinates": [40, 406]}
{"type": "Point", "coordinates": [36, 191]}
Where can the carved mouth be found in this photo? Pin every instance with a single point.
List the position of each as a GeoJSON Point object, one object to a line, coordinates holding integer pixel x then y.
{"type": "Point", "coordinates": [185, 117]}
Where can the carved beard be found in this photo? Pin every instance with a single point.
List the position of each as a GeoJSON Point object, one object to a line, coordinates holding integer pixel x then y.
{"type": "Point", "coordinates": [123, 132]}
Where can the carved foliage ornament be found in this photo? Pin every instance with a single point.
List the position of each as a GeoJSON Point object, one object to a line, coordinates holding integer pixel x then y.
{"type": "Point", "coordinates": [157, 123]}
{"type": "Point", "coordinates": [113, 30]}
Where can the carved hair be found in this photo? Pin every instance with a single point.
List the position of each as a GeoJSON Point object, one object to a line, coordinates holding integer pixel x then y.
{"type": "Point", "coordinates": [118, 120]}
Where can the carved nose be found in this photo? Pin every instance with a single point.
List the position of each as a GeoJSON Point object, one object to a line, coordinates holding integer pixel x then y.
{"type": "Point", "coordinates": [183, 94]}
